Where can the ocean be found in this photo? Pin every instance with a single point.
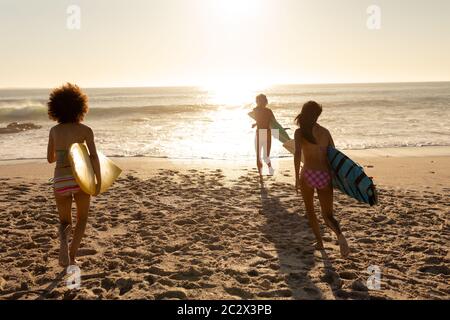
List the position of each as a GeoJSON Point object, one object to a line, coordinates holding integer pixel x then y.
{"type": "Point", "coordinates": [199, 123]}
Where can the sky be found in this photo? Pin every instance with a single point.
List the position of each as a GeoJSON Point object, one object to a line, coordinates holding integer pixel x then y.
{"type": "Point", "coordinates": [222, 42]}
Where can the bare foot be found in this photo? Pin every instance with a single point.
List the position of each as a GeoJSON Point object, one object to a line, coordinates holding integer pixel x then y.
{"type": "Point", "coordinates": [64, 231]}
{"type": "Point", "coordinates": [259, 166]}
{"type": "Point", "coordinates": [343, 246]}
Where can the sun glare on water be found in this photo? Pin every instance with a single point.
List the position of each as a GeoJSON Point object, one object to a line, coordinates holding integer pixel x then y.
{"type": "Point", "coordinates": [225, 130]}
{"type": "Point", "coordinates": [233, 92]}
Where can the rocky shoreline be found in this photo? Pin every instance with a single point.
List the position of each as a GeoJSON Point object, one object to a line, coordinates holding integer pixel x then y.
{"type": "Point", "coordinates": [16, 127]}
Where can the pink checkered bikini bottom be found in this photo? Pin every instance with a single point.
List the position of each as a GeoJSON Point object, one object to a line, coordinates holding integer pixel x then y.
{"type": "Point", "coordinates": [316, 179]}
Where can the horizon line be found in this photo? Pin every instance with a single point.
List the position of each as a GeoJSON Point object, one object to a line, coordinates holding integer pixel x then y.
{"type": "Point", "coordinates": [203, 85]}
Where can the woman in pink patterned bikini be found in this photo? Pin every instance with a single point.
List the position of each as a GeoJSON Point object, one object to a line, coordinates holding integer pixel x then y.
{"type": "Point", "coordinates": [312, 140]}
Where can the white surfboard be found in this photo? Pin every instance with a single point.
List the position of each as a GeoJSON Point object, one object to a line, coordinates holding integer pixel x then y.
{"type": "Point", "coordinates": [84, 173]}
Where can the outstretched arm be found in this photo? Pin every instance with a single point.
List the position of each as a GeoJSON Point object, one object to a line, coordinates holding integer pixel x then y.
{"type": "Point", "coordinates": [94, 159]}
{"type": "Point", "coordinates": [51, 156]}
{"type": "Point", "coordinates": [297, 157]}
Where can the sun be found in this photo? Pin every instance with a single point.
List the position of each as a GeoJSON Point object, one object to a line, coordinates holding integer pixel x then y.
{"type": "Point", "coordinates": [232, 10]}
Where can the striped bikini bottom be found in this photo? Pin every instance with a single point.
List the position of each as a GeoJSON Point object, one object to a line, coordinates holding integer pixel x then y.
{"type": "Point", "coordinates": [65, 185]}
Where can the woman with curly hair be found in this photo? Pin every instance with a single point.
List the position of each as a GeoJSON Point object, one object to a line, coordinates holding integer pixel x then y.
{"type": "Point", "coordinates": [68, 105]}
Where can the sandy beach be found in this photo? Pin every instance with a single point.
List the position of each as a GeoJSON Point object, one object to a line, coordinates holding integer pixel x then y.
{"type": "Point", "coordinates": [208, 230]}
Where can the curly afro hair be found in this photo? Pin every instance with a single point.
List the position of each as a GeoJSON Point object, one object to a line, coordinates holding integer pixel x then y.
{"type": "Point", "coordinates": [67, 104]}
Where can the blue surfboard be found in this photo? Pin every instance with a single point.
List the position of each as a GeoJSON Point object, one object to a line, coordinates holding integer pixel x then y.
{"type": "Point", "coordinates": [349, 177]}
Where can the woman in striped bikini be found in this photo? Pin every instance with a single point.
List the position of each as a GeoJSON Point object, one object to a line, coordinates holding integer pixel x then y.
{"type": "Point", "coordinates": [313, 140]}
{"type": "Point", "coordinates": [68, 105]}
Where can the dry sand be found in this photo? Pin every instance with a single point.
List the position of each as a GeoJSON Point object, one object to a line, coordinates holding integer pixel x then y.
{"type": "Point", "coordinates": [208, 230]}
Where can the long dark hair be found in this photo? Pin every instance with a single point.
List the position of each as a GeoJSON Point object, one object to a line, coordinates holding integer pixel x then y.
{"type": "Point", "coordinates": [311, 111]}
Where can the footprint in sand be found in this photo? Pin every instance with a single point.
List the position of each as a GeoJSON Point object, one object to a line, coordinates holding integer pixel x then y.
{"type": "Point", "coordinates": [193, 274]}
{"type": "Point", "coordinates": [241, 293]}
{"type": "Point", "coordinates": [172, 294]}
{"type": "Point", "coordinates": [436, 269]}
{"type": "Point", "coordinates": [215, 247]}
{"type": "Point", "coordinates": [107, 284]}
{"type": "Point", "coordinates": [434, 260]}
{"type": "Point", "coordinates": [358, 285]}
{"type": "Point", "coordinates": [124, 285]}
{"type": "Point", "coordinates": [186, 221]}
{"type": "Point", "coordinates": [86, 252]}
{"type": "Point", "coordinates": [348, 275]}
{"type": "Point", "coordinates": [283, 293]}
{"type": "Point", "coordinates": [332, 278]}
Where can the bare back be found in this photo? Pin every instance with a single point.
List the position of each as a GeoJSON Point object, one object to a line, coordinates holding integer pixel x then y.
{"type": "Point", "coordinates": [66, 134]}
{"type": "Point", "coordinates": [315, 155]}
{"type": "Point", "coordinates": [62, 136]}
{"type": "Point", "coordinates": [263, 117]}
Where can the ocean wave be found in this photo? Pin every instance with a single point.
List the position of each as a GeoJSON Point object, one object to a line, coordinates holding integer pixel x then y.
{"type": "Point", "coordinates": [36, 112]}
{"type": "Point", "coordinates": [39, 112]}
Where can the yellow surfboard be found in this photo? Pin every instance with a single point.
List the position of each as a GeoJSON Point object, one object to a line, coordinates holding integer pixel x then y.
{"type": "Point", "coordinates": [84, 173]}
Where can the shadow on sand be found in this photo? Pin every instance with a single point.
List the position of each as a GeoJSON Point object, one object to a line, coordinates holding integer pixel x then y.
{"type": "Point", "coordinates": [294, 244]}
{"type": "Point", "coordinates": [52, 285]}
